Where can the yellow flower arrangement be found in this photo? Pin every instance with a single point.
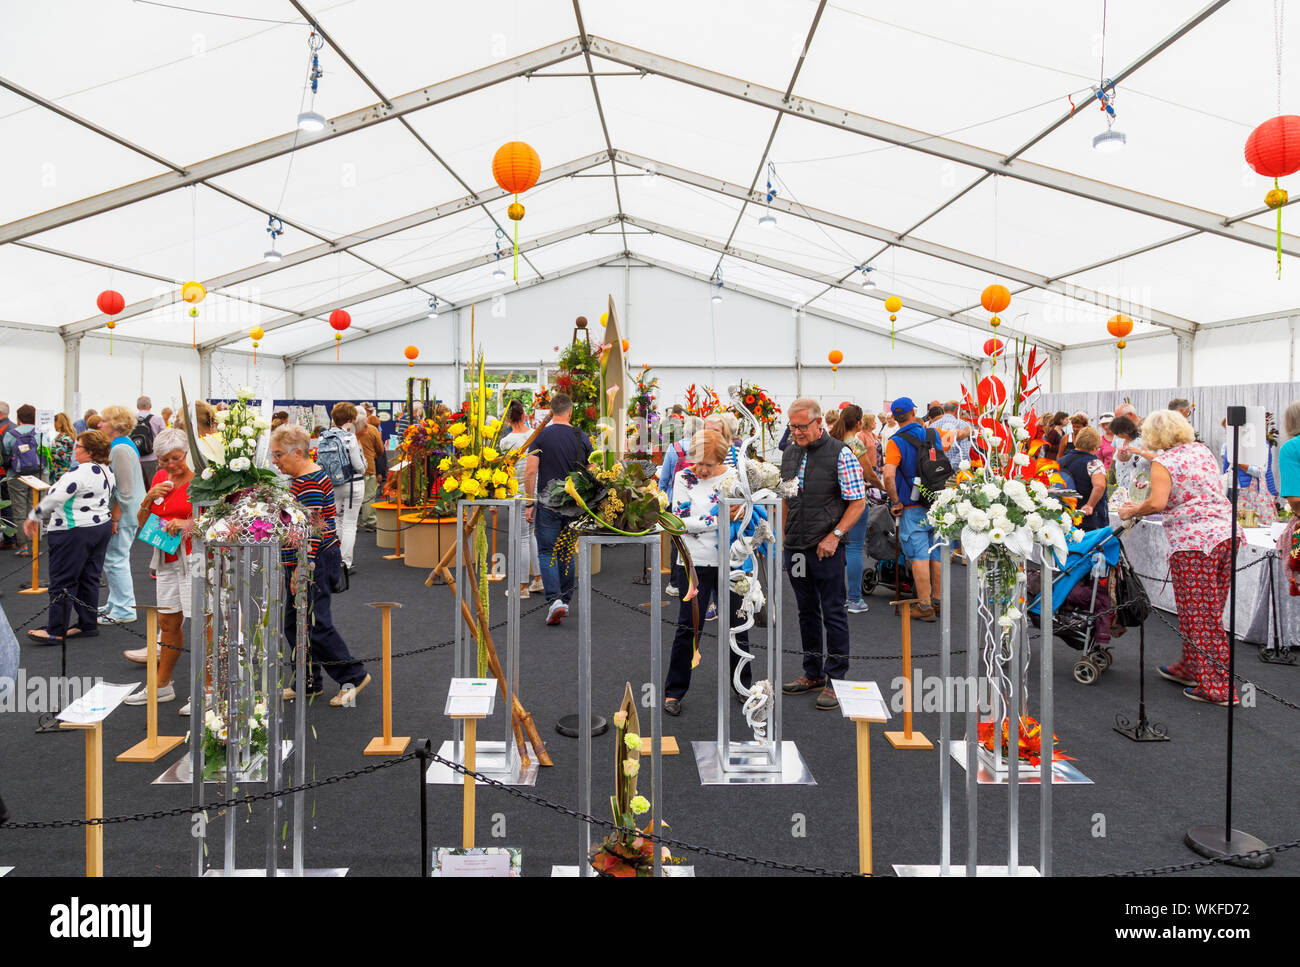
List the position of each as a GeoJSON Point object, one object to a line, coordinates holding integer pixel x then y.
{"type": "Point", "coordinates": [469, 461]}
{"type": "Point", "coordinates": [456, 429]}
{"type": "Point", "coordinates": [461, 441]}
{"type": "Point", "coordinates": [489, 454]}
{"type": "Point", "coordinates": [444, 464]}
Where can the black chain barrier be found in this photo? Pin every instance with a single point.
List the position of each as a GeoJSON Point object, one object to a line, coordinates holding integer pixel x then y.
{"type": "Point", "coordinates": [217, 804]}
{"type": "Point", "coordinates": [1255, 854]}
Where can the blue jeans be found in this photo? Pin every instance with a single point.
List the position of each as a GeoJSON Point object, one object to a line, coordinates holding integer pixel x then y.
{"type": "Point", "coordinates": [558, 573]}
{"type": "Point", "coordinates": [856, 545]}
{"type": "Point", "coordinates": [819, 592]}
{"type": "Point", "coordinates": [117, 569]}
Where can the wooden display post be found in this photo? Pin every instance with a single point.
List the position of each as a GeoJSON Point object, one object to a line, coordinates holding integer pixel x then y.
{"type": "Point", "coordinates": [387, 744]}
{"type": "Point", "coordinates": [38, 487]}
{"type": "Point", "coordinates": [153, 746]}
{"type": "Point", "coordinates": [907, 739]}
{"type": "Point", "coordinates": [397, 554]}
{"type": "Point", "coordinates": [493, 574]}
{"type": "Point", "coordinates": [863, 728]}
{"type": "Point", "coordinates": [94, 793]}
{"type": "Point", "coordinates": [471, 748]}
{"type": "Point", "coordinates": [665, 554]}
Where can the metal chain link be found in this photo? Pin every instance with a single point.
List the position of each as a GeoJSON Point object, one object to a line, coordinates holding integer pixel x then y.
{"type": "Point", "coordinates": [218, 804]}
{"type": "Point", "coordinates": [1254, 854]}
{"type": "Point", "coordinates": [614, 827]}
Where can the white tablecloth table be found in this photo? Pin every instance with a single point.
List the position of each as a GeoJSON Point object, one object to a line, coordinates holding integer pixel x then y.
{"type": "Point", "coordinates": [1148, 551]}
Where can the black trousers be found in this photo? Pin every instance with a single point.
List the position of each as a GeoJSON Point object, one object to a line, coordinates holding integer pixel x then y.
{"type": "Point", "coordinates": [327, 644]}
{"type": "Point", "coordinates": [679, 664]}
{"type": "Point", "coordinates": [76, 566]}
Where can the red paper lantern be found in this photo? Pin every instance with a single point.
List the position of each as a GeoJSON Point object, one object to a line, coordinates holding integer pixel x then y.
{"type": "Point", "coordinates": [110, 302]}
{"type": "Point", "coordinates": [993, 347]}
{"type": "Point", "coordinates": [1273, 148]}
{"type": "Point", "coordinates": [516, 167]}
{"type": "Point", "coordinates": [340, 319]}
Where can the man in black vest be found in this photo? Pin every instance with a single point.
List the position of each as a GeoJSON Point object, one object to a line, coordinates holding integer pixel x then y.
{"type": "Point", "coordinates": [830, 498]}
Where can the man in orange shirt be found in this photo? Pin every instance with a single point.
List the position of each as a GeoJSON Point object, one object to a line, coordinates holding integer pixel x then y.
{"type": "Point", "coordinates": [372, 446]}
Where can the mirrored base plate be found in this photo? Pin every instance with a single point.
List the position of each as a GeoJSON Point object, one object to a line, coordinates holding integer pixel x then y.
{"type": "Point", "coordinates": [4, 870]}
{"type": "Point", "coordinates": [1063, 773]}
{"type": "Point", "coordinates": [335, 872]}
{"type": "Point", "coordinates": [178, 774]}
{"type": "Point", "coordinates": [794, 771]}
{"type": "Point", "coordinates": [668, 869]}
{"type": "Point", "coordinates": [913, 869]}
{"type": "Point", "coordinates": [490, 760]}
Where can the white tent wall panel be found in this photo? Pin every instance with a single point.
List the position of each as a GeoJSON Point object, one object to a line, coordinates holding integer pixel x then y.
{"type": "Point", "coordinates": [33, 365]}
{"type": "Point", "coordinates": [233, 371]}
{"type": "Point", "coordinates": [1147, 362]}
{"type": "Point", "coordinates": [325, 381]}
{"type": "Point", "coordinates": [133, 369]}
{"type": "Point", "coordinates": [1262, 349]}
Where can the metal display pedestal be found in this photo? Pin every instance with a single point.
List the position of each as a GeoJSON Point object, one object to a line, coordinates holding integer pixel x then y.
{"type": "Point", "coordinates": [657, 811]}
{"type": "Point", "coordinates": [771, 760]}
{"type": "Point", "coordinates": [498, 759]}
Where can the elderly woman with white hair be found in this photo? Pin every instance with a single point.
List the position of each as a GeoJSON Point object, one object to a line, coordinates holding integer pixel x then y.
{"type": "Point", "coordinates": [1185, 488]}
{"type": "Point", "coordinates": [168, 499]}
{"type": "Point", "coordinates": [311, 487]}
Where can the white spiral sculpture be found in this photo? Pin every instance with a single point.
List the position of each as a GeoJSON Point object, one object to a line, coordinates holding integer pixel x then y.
{"type": "Point", "coordinates": [753, 479]}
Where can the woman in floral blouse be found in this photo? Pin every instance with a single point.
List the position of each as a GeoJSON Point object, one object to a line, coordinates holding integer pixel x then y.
{"type": "Point", "coordinates": [1186, 489]}
{"type": "Point", "coordinates": [65, 438]}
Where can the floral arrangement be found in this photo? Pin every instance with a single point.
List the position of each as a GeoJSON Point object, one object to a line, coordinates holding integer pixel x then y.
{"type": "Point", "coordinates": [764, 408]}
{"type": "Point", "coordinates": [580, 379]}
{"type": "Point", "coordinates": [215, 736]}
{"type": "Point", "coordinates": [641, 410]}
{"type": "Point", "coordinates": [424, 445]}
{"type": "Point", "coordinates": [229, 452]}
{"type": "Point", "coordinates": [703, 403]}
{"type": "Point", "coordinates": [474, 467]}
{"type": "Point", "coordinates": [627, 851]}
{"type": "Point", "coordinates": [263, 514]}
{"type": "Point", "coordinates": [1030, 745]}
{"type": "Point", "coordinates": [542, 399]}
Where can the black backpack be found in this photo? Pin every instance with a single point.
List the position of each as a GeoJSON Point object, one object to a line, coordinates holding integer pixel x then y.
{"type": "Point", "coordinates": [932, 465]}
{"type": "Point", "coordinates": [142, 435]}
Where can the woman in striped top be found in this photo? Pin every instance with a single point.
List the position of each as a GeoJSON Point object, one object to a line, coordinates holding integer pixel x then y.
{"type": "Point", "coordinates": [79, 513]}
{"type": "Point", "coordinates": [311, 487]}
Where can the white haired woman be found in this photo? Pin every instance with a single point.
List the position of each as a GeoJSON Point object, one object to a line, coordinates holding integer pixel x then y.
{"type": "Point", "coordinates": [168, 499]}
{"type": "Point", "coordinates": [124, 459]}
{"type": "Point", "coordinates": [1185, 488]}
{"type": "Point", "coordinates": [311, 487]}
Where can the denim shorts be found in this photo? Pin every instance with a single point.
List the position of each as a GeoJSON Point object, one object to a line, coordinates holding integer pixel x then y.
{"type": "Point", "coordinates": [916, 536]}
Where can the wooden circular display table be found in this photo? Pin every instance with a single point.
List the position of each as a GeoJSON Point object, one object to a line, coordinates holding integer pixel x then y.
{"type": "Point", "coordinates": [426, 539]}
{"type": "Point", "coordinates": [385, 524]}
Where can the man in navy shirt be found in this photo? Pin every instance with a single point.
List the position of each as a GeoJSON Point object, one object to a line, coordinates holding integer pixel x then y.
{"type": "Point", "coordinates": [561, 449]}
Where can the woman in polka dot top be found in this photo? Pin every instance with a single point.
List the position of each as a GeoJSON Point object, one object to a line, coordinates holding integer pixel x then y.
{"type": "Point", "coordinates": [76, 511]}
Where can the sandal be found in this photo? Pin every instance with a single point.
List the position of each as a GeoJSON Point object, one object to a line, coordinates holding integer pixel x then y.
{"type": "Point", "coordinates": [43, 636]}
{"type": "Point", "coordinates": [25, 552]}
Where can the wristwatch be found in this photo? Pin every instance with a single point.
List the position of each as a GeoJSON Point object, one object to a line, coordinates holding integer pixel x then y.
{"type": "Point", "coordinates": [838, 533]}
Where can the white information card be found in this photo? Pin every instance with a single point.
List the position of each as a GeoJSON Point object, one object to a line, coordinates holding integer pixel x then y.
{"type": "Point", "coordinates": [861, 700]}
{"type": "Point", "coordinates": [471, 697]}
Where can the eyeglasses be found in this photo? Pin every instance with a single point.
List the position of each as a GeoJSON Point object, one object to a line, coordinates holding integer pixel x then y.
{"type": "Point", "coordinates": [802, 427]}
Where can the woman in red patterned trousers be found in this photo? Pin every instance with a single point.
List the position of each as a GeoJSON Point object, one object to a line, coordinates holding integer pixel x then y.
{"type": "Point", "coordinates": [1185, 487]}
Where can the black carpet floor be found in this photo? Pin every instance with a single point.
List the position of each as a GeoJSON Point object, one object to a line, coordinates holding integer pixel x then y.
{"type": "Point", "coordinates": [1133, 816]}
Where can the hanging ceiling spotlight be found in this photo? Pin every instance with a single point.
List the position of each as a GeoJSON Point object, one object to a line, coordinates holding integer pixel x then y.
{"type": "Point", "coordinates": [1110, 140]}
{"type": "Point", "coordinates": [433, 308]}
{"type": "Point", "coordinates": [274, 228]}
{"type": "Point", "coordinates": [499, 273]}
{"type": "Point", "coordinates": [769, 220]}
{"type": "Point", "coordinates": [867, 281]}
{"type": "Point", "coordinates": [716, 281]}
{"type": "Point", "coordinates": [310, 120]}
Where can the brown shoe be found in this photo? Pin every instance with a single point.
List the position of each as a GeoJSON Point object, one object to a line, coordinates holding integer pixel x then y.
{"type": "Point", "coordinates": [934, 603]}
{"type": "Point", "coordinates": [924, 612]}
{"type": "Point", "coordinates": [802, 684]}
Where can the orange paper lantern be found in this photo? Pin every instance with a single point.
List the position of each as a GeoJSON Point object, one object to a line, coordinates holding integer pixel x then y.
{"type": "Point", "coordinates": [995, 298]}
{"type": "Point", "coordinates": [835, 356]}
{"type": "Point", "coordinates": [411, 352]}
{"type": "Point", "coordinates": [1119, 326]}
{"type": "Point", "coordinates": [516, 167]}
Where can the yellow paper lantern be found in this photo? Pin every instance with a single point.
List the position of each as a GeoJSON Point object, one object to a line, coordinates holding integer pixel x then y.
{"type": "Point", "coordinates": [193, 292]}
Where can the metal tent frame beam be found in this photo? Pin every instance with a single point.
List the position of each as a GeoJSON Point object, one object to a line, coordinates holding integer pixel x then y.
{"type": "Point", "coordinates": [282, 144]}
{"type": "Point", "coordinates": [463, 266]}
{"type": "Point", "coordinates": [343, 244]}
{"type": "Point", "coordinates": [931, 249]}
{"type": "Point", "coordinates": [940, 147]}
{"type": "Point", "coordinates": [813, 276]}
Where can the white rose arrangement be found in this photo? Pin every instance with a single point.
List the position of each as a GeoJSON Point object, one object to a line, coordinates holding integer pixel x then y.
{"type": "Point", "coordinates": [229, 453]}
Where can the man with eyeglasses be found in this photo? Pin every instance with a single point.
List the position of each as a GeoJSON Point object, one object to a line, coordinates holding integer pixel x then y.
{"type": "Point", "coordinates": [831, 496]}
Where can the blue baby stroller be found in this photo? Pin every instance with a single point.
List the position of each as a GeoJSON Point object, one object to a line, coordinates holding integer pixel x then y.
{"type": "Point", "coordinates": [1081, 601]}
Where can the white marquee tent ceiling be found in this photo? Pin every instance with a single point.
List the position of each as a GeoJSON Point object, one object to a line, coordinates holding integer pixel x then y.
{"type": "Point", "coordinates": [146, 145]}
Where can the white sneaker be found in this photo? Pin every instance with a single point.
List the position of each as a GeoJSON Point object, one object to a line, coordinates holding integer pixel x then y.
{"type": "Point", "coordinates": [671, 591]}
{"type": "Point", "coordinates": [557, 612]}
{"type": "Point", "coordinates": [166, 693]}
{"type": "Point", "coordinates": [858, 607]}
{"type": "Point", "coordinates": [537, 585]}
{"type": "Point", "coordinates": [185, 709]}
